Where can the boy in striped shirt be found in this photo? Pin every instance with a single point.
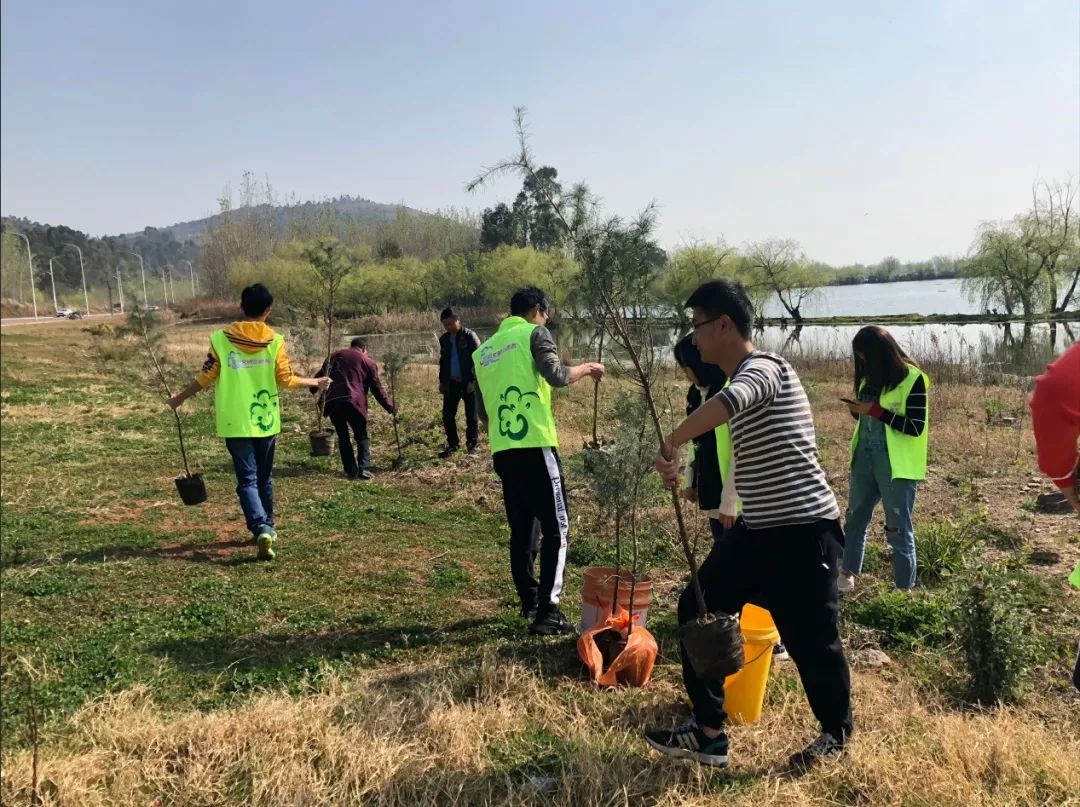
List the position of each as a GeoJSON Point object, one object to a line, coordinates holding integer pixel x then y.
{"type": "Point", "coordinates": [788, 547]}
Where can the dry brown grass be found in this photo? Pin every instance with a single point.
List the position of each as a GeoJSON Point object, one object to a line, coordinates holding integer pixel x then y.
{"type": "Point", "coordinates": [440, 735]}
{"type": "Point", "coordinates": [443, 735]}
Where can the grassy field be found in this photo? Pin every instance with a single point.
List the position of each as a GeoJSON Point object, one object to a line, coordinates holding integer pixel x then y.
{"type": "Point", "coordinates": [380, 659]}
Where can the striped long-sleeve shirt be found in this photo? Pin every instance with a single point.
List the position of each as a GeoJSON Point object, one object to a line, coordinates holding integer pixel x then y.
{"type": "Point", "coordinates": [777, 472]}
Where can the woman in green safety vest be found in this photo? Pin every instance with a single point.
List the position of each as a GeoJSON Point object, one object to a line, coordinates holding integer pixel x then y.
{"type": "Point", "coordinates": [710, 481]}
{"type": "Point", "coordinates": [888, 452]}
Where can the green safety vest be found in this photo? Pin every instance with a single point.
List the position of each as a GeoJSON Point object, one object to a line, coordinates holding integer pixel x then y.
{"type": "Point", "coordinates": [517, 398]}
{"type": "Point", "coordinates": [907, 454]}
{"type": "Point", "coordinates": [723, 446]}
{"type": "Point", "coordinates": [1074, 578]}
{"type": "Point", "coordinates": [724, 452]}
{"type": "Point", "coordinates": [246, 395]}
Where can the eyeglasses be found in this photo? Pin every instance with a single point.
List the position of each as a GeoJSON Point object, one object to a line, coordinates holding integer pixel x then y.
{"type": "Point", "coordinates": [697, 325]}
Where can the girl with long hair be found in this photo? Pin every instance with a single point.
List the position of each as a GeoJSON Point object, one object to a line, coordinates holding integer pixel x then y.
{"type": "Point", "coordinates": [888, 452]}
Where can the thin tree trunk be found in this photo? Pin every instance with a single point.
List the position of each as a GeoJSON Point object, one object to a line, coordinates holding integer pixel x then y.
{"type": "Point", "coordinates": [596, 390]}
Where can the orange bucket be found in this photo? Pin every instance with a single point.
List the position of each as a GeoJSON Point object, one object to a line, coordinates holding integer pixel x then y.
{"type": "Point", "coordinates": [596, 594]}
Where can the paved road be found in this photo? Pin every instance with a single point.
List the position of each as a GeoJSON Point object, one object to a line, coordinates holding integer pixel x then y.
{"type": "Point", "coordinates": [40, 320]}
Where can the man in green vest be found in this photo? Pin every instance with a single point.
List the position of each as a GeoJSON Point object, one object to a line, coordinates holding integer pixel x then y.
{"type": "Point", "coordinates": [515, 371]}
{"type": "Point", "coordinates": [249, 363]}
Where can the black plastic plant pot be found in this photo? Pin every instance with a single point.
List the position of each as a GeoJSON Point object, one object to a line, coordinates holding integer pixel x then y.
{"type": "Point", "coordinates": [714, 646]}
{"type": "Point", "coordinates": [322, 443]}
{"type": "Point", "coordinates": [192, 489]}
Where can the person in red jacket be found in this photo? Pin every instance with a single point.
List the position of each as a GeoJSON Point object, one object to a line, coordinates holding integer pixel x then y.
{"type": "Point", "coordinates": [352, 375]}
{"type": "Point", "coordinates": [1055, 415]}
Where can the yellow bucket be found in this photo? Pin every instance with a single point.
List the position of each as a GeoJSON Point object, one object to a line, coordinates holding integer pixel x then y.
{"type": "Point", "coordinates": [744, 692]}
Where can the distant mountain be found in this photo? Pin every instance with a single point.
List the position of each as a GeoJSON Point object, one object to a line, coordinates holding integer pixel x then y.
{"type": "Point", "coordinates": [353, 207]}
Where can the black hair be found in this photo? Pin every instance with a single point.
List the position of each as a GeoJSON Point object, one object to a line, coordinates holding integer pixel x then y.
{"type": "Point", "coordinates": [722, 296]}
{"type": "Point", "coordinates": [358, 341]}
{"type": "Point", "coordinates": [525, 298]}
{"type": "Point", "coordinates": [708, 375]}
{"type": "Point", "coordinates": [883, 363]}
{"type": "Point", "coordinates": [447, 313]}
{"type": "Point", "coordinates": [255, 299]}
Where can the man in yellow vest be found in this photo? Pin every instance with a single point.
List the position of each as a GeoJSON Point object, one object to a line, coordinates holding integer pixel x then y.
{"type": "Point", "coordinates": [249, 363]}
{"type": "Point", "coordinates": [515, 371]}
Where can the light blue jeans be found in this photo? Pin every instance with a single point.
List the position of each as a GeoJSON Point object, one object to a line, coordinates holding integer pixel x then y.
{"type": "Point", "coordinates": [872, 482]}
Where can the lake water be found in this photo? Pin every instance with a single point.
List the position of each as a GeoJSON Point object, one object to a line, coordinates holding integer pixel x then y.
{"type": "Point", "coordinates": [910, 297]}
{"type": "Point", "coordinates": [1010, 349]}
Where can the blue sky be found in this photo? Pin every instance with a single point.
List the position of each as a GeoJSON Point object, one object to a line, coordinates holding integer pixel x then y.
{"type": "Point", "coordinates": [860, 129]}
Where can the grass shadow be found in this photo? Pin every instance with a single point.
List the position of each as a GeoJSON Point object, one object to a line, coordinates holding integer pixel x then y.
{"type": "Point", "coordinates": [372, 641]}
{"type": "Point", "coordinates": [226, 552]}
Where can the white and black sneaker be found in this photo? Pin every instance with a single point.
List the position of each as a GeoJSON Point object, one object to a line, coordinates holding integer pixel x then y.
{"type": "Point", "coordinates": [690, 742]}
{"type": "Point", "coordinates": [824, 747]}
{"type": "Point", "coordinates": [779, 652]}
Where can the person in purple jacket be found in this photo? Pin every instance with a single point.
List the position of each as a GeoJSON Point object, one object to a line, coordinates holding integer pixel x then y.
{"type": "Point", "coordinates": [352, 375]}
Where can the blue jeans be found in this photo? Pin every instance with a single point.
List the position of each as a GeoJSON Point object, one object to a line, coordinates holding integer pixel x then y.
{"type": "Point", "coordinates": [872, 482]}
{"type": "Point", "coordinates": [253, 461]}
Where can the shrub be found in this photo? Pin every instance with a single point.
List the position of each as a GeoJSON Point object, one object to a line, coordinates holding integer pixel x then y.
{"type": "Point", "coordinates": [943, 549]}
{"type": "Point", "coordinates": [995, 409]}
{"type": "Point", "coordinates": [995, 637]}
{"type": "Point", "coordinates": [905, 620]}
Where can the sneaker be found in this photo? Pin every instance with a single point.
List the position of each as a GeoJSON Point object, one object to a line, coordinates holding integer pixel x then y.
{"type": "Point", "coordinates": [549, 623]}
{"type": "Point", "coordinates": [824, 747]}
{"type": "Point", "coordinates": [529, 614]}
{"type": "Point", "coordinates": [447, 452]}
{"type": "Point", "coordinates": [690, 742]}
{"type": "Point", "coordinates": [472, 449]}
{"type": "Point", "coordinates": [266, 546]}
{"type": "Point", "coordinates": [845, 583]}
{"type": "Point", "coordinates": [365, 475]}
{"type": "Point", "coordinates": [780, 653]}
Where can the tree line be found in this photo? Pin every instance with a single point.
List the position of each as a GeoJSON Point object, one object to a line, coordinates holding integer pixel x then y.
{"type": "Point", "coordinates": [1028, 266]}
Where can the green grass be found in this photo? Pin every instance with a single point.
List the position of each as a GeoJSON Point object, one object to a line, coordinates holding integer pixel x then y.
{"type": "Point", "coordinates": [108, 582]}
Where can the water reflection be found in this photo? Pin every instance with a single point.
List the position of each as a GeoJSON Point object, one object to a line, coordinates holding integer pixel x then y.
{"type": "Point", "coordinates": [1011, 348]}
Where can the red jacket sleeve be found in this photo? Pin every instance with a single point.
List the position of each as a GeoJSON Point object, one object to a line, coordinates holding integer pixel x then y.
{"type": "Point", "coordinates": [1055, 415]}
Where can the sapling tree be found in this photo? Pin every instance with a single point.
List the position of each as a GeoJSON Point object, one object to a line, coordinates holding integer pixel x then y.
{"type": "Point", "coordinates": [305, 346]}
{"type": "Point", "coordinates": [619, 263]}
{"type": "Point", "coordinates": [145, 325]}
{"type": "Point", "coordinates": [394, 361]}
{"type": "Point", "coordinates": [331, 263]}
{"type": "Point", "coordinates": [617, 472]}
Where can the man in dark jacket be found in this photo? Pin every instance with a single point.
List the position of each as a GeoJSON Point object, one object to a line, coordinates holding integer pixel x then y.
{"type": "Point", "coordinates": [352, 375]}
{"type": "Point", "coordinates": [457, 381]}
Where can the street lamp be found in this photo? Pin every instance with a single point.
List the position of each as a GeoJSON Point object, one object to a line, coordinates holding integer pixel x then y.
{"type": "Point", "coordinates": [30, 264]}
{"type": "Point", "coordinates": [172, 284]}
{"type": "Point", "coordinates": [164, 288]}
{"type": "Point", "coordinates": [120, 288]}
{"type": "Point", "coordinates": [82, 270]}
{"type": "Point", "coordinates": [192, 270]}
{"type": "Point", "coordinates": [142, 270]}
{"type": "Point", "coordinates": [52, 281]}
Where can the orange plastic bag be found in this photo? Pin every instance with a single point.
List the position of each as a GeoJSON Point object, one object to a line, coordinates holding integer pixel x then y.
{"type": "Point", "coordinates": [633, 666]}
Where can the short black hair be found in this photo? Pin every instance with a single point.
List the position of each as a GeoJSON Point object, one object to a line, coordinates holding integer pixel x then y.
{"type": "Point", "coordinates": [448, 313]}
{"type": "Point", "coordinates": [722, 296]}
{"type": "Point", "coordinates": [255, 299]}
{"type": "Point", "coordinates": [525, 298]}
{"type": "Point", "coordinates": [687, 355]}
{"type": "Point", "coordinates": [359, 342]}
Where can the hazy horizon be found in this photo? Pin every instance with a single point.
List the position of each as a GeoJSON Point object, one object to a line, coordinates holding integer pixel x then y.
{"type": "Point", "coordinates": [860, 132]}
